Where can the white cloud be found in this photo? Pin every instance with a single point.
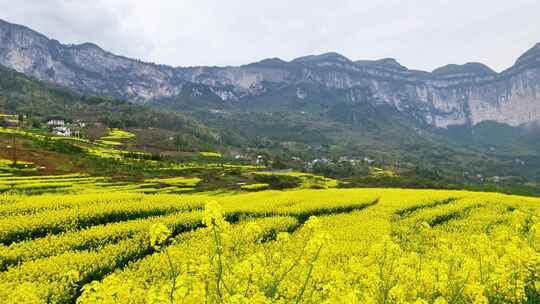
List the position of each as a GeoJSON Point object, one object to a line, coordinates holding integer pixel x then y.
{"type": "Point", "coordinates": [420, 34]}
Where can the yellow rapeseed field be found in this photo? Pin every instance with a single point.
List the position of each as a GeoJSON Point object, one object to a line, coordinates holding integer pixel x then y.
{"type": "Point", "coordinates": [297, 246]}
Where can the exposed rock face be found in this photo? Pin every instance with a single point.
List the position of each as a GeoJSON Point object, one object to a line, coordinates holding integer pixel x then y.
{"type": "Point", "coordinates": [450, 95]}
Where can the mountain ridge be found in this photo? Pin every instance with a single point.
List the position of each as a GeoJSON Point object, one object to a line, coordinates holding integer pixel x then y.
{"type": "Point", "coordinates": [450, 95]}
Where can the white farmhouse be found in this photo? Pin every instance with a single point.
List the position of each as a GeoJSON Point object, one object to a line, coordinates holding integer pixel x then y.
{"type": "Point", "coordinates": [56, 123]}
{"type": "Point", "coordinates": [81, 123]}
{"type": "Point", "coordinates": [62, 131]}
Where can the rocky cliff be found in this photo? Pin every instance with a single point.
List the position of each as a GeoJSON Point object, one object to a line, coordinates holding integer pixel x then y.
{"type": "Point", "coordinates": [450, 95]}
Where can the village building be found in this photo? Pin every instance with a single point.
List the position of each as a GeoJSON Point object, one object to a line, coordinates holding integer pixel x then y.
{"type": "Point", "coordinates": [56, 123]}
{"type": "Point", "coordinates": [80, 123]}
{"type": "Point", "coordinates": [6, 122]}
{"type": "Point", "coordinates": [62, 131]}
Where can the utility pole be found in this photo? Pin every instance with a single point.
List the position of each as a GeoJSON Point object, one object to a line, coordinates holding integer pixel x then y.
{"type": "Point", "coordinates": [14, 144]}
{"type": "Point", "coordinates": [14, 148]}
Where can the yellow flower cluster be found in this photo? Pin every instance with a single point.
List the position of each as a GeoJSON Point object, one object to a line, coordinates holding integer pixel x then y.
{"type": "Point", "coordinates": [20, 227]}
{"type": "Point", "coordinates": [213, 216]}
{"type": "Point", "coordinates": [91, 238]}
{"type": "Point", "coordinates": [302, 246]}
{"type": "Point", "coordinates": [159, 234]}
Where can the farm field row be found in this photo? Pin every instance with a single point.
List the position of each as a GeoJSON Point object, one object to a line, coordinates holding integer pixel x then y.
{"type": "Point", "coordinates": [83, 183]}
{"type": "Point", "coordinates": [79, 183]}
{"type": "Point", "coordinates": [297, 246]}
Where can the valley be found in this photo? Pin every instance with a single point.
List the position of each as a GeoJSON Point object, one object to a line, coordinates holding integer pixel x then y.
{"type": "Point", "coordinates": [319, 179]}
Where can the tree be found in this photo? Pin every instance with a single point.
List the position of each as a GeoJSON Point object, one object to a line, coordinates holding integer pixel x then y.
{"type": "Point", "coordinates": [95, 131]}
{"type": "Point", "coordinates": [36, 123]}
{"type": "Point", "coordinates": [278, 164]}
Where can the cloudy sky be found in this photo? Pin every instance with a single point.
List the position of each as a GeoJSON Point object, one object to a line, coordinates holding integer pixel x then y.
{"type": "Point", "coordinates": [420, 34]}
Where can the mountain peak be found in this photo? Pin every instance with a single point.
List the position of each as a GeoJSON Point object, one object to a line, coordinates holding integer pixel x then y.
{"type": "Point", "coordinates": [275, 61]}
{"type": "Point", "coordinates": [87, 46]}
{"type": "Point", "coordinates": [5, 25]}
{"type": "Point", "coordinates": [330, 56]}
{"type": "Point", "coordinates": [530, 56]}
{"type": "Point", "coordinates": [389, 63]}
{"type": "Point", "coordinates": [469, 69]}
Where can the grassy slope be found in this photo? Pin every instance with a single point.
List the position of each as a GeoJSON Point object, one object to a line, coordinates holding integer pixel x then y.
{"type": "Point", "coordinates": [20, 94]}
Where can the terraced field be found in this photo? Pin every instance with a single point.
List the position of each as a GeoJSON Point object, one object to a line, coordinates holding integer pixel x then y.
{"type": "Point", "coordinates": [298, 246]}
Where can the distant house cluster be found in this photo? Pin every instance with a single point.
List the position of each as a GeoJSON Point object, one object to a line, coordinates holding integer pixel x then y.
{"type": "Point", "coordinates": [343, 159]}
{"type": "Point", "coordinates": [61, 131]}
{"type": "Point", "coordinates": [56, 123]}
{"type": "Point", "coordinates": [59, 127]}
